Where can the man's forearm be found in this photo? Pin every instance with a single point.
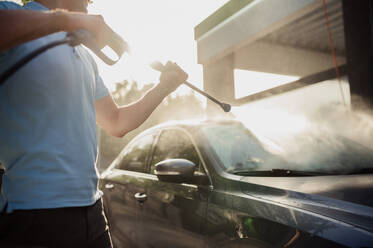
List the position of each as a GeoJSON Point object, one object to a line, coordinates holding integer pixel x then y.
{"type": "Point", "coordinates": [19, 26]}
{"type": "Point", "coordinates": [132, 116]}
{"type": "Point", "coordinates": [119, 121]}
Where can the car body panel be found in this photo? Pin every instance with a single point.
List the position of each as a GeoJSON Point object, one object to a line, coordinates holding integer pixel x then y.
{"type": "Point", "coordinates": [302, 212]}
{"type": "Point", "coordinates": [173, 212]}
{"type": "Point", "coordinates": [248, 211]}
{"type": "Point", "coordinates": [331, 196]}
{"type": "Point", "coordinates": [235, 219]}
{"type": "Point", "coordinates": [123, 212]}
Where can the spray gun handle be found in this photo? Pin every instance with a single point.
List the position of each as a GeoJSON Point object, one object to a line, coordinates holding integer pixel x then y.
{"type": "Point", "coordinates": [116, 43]}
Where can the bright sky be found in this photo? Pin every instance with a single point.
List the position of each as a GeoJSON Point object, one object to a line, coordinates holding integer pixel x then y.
{"type": "Point", "coordinates": [251, 82]}
{"type": "Point", "coordinates": [155, 30]}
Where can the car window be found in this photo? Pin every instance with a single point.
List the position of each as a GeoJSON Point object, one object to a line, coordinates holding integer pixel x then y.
{"type": "Point", "coordinates": [175, 144]}
{"type": "Point", "coordinates": [135, 156]}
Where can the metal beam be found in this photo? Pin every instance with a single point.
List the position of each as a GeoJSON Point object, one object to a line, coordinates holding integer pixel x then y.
{"type": "Point", "coordinates": [303, 82]}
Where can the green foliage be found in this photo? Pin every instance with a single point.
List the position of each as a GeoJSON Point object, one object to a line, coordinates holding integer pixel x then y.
{"type": "Point", "coordinates": [26, 1]}
{"type": "Point", "coordinates": [179, 107]}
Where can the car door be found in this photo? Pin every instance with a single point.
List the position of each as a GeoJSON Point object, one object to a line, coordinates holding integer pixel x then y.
{"type": "Point", "coordinates": [174, 213]}
{"type": "Point", "coordinates": [120, 185]}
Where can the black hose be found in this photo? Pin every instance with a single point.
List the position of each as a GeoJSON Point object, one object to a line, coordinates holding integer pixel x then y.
{"type": "Point", "coordinates": [14, 68]}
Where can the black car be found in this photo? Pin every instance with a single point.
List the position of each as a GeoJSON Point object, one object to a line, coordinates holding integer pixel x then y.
{"type": "Point", "coordinates": [213, 184]}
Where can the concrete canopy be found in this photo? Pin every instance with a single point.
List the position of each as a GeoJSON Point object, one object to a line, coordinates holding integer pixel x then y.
{"type": "Point", "coordinates": [287, 37]}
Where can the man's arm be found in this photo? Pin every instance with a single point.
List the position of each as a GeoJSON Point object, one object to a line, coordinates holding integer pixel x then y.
{"type": "Point", "coordinates": [20, 26]}
{"type": "Point", "coordinates": [118, 121]}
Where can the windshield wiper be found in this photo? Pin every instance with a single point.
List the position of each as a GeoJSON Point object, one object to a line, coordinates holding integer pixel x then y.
{"type": "Point", "coordinates": [277, 173]}
{"type": "Point", "coordinates": [362, 171]}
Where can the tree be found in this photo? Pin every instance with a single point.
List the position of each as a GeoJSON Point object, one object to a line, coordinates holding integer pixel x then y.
{"type": "Point", "coordinates": [25, 1]}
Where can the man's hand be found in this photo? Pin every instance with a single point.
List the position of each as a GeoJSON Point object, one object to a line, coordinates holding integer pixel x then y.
{"type": "Point", "coordinates": [171, 78]}
{"type": "Point", "coordinates": [95, 24]}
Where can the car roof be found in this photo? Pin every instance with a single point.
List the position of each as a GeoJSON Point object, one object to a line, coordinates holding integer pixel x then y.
{"type": "Point", "coordinates": [190, 124]}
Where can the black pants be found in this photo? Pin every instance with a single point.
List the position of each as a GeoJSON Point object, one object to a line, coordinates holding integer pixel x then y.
{"type": "Point", "coordinates": [83, 227]}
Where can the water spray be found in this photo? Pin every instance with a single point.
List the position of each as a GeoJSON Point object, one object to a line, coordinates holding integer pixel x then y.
{"type": "Point", "coordinates": [158, 66]}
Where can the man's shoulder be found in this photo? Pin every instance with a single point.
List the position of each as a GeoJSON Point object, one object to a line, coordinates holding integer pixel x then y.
{"type": "Point", "coordinates": [9, 5]}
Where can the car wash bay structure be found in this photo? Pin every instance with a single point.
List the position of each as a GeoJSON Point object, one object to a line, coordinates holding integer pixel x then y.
{"type": "Point", "coordinates": [288, 37]}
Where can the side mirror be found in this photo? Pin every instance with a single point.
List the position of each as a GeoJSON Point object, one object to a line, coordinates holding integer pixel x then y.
{"type": "Point", "coordinates": [175, 170]}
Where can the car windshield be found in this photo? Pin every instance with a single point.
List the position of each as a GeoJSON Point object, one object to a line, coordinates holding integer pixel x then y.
{"type": "Point", "coordinates": [237, 149]}
{"type": "Point", "coordinates": [240, 151]}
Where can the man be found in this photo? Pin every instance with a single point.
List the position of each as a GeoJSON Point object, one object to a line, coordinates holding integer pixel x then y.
{"type": "Point", "coordinates": [48, 115]}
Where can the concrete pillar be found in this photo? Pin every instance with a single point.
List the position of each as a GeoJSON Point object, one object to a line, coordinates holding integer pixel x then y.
{"type": "Point", "coordinates": [358, 26]}
{"type": "Point", "coordinates": [218, 81]}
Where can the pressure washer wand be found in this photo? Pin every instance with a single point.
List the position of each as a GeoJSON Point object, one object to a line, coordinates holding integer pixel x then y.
{"type": "Point", "coordinates": [158, 66]}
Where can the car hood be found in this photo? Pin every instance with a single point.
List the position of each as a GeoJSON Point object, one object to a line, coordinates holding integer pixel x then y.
{"type": "Point", "coordinates": [347, 198]}
{"type": "Point", "coordinates": [352, 188]}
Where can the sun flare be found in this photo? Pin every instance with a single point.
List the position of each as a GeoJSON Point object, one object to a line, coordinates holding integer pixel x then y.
{"type": "Point", "coordinates": [155, 30]}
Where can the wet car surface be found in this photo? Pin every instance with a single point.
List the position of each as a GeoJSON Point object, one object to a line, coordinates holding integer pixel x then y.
{"type": "Point", "coordinates": [230, 200]}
